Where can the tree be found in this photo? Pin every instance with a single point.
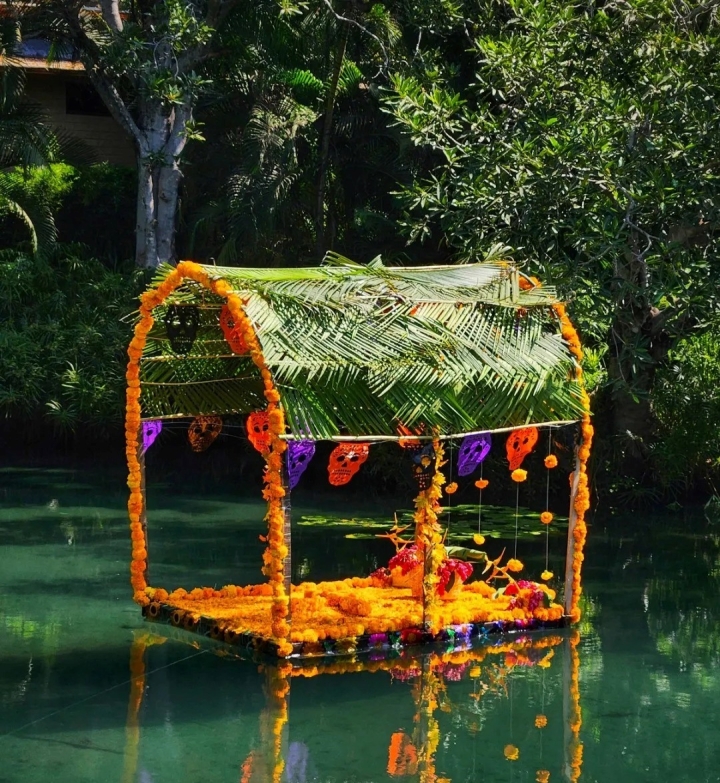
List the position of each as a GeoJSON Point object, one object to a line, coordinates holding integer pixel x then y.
{"type": "Point", "coordinates": [585, 136]}
{"type": "Point", "coordinates": [300, 130]}
{"type": "Point", "coordinates": [145, 62]}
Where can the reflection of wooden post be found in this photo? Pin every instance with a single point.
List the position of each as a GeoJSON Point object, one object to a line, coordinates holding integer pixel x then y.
{"type": "Point", "coordinates": [132, 725]}
{"type": "Point", "coordinates": [572, 520]}
{"type": "Point", "coordinates": [572, 715]}
{"type": "Point", "coordinates": [143, 510]}
{"type": "Point", "coordinates": [567, 732]}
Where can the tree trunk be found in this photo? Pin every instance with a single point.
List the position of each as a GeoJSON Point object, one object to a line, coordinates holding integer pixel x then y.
{"type": "Point", "coordinates": [325, 143]}
{"type": "Point", "coordinates": [161, 142]}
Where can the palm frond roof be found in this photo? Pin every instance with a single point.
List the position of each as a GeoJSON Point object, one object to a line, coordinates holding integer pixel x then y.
{"type": "Point", "coordinates": [356, 350]}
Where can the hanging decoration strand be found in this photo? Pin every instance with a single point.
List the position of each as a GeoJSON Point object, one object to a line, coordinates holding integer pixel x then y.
{"type": "Point", "coordinates": [517, 513]}
{"type": "Point", "coordinates": [547, 506]}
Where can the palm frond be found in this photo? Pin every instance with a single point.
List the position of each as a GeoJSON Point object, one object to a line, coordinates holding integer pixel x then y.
{"type": "Point", "coordinates": [356, 349]}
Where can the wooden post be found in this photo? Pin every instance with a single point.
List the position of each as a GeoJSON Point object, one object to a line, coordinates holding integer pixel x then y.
{"type": "Point", "coordinates": [287, 535]}
{"type": "Point", "coordinates": [572, 520]}
{"type": "Point", "coordinates": [143, 510]}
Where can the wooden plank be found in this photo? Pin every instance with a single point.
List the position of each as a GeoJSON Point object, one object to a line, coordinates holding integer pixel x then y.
{"type": "Point", "coordinates": [572, 521]}
{"type": "Point", "coordinates": [143, 510]}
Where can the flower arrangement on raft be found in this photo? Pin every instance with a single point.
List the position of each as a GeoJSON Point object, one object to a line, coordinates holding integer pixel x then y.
{"type": "Point", "coordinates": [406, 569]}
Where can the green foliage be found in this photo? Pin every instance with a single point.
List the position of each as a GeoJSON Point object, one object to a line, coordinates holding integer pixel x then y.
{"type": "Point", "coordinates": [687, 403]}
{"type": "Point", "coordinates": [62, 341]}
{"type": "Point", "coordinates": [270, 101]}
{"type": "Point", "coordinates": [585, 137]}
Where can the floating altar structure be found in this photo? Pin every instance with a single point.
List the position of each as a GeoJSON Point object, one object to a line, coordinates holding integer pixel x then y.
{"type": "Point", "coordinates": [477, 354]}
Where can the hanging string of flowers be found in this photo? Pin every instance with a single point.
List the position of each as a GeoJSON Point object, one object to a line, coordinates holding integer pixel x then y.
{"type": "Point", "coordinates": [276, 551]}
{"type": "Point", "coordinates": [582, 496]}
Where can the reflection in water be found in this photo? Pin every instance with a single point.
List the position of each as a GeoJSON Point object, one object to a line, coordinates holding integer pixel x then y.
{"type": "Point", "coordinates": [650, 653]}
{"type": "Point", "coordinates": [464, 684]}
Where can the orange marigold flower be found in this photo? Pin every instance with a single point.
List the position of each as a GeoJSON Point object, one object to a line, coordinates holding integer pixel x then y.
{"type": "Point", "coordinates": [542, 776]}
{"type": "Point", "coordinates": [514, 565]}
{"type": "Point", "coordinates": [479, 539]}
{"type": "Point", "coordinates": [481, 483]}
{"type": "Point", "coordinates": [551, 461]}
{"type": "Point", "coordinates": [451, 488]}
{"type": "Point", "coordinates": [519, 475]}
{"type": "Point", "coordinates": [546, 575]}
{"type": "Point", "coordinates": [546, 517]}
{"type": "Point", "coordinates": [540, 721]}
{"type": "Point", "coordinates": [511, 752]}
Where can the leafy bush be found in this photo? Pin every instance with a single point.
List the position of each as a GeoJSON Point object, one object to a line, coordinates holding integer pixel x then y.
{"type": "Point", "coordinates": [93, 205]}
{"type": "Point", "coordinates": [62, 339]}
{"type": "Point", "coordinates": [686, 400]}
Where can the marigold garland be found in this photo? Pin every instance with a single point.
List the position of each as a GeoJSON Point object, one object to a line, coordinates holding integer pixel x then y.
{"type": "Point", "coordinates": [428, 538]}
{"type": "Point", "coordinates": [482, 483]}
{"type": "Point", "coordinates": [274, 556]}
{"type": "Point", "coordinates": [514, 565]}
{"type": "Point", "coordinates": [546, 575]}
{"type": "Point", "coordinates": [518, 475]}
{"type": "Point", "coordinates": [582, 497]}
{"type": "Point", "coordinates": [576, 757]}
{"type": "Point", "coordinates": [546, 517]}
{"type": "Point", "coordinates": [551, 461]}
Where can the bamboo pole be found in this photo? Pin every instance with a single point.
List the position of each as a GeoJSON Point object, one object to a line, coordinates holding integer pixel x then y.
{"type": "Point", "coordinates": [287, 534]}
{"type": "Point", "coordinates": [453, 436]}
{"type": "Point", "coordinates": [143, 511]}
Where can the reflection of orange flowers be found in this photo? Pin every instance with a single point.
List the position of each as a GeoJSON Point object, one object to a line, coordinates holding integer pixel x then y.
{"type": "Point", "coordinates": [546, 517]}
{"type": "Point", "coordinates": [514, 565]}
{"type": "Point", "coordinates": [551, 461]}
{"type": "Point", "coordinates": [540, 721]}
{"type": "Point", "coordinates": [451, 488]}
{"type": "Point", "coordinates": [402, 755]}
{"type": "Point", "coordinates": [481, 483]}
{"type": "Point", "coordinates": [518, 475]}
{"type": "Point", "coordinates": [511, 752]}
{"type": "Point", "coordinates": [542, 776]}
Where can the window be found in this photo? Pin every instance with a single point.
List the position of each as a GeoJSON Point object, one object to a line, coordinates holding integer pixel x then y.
{"type": "Point", "coordinates": [81, 98]}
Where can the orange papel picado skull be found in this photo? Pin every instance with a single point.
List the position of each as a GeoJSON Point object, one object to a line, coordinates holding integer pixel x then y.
{"type": "Point", "coordinates": [232, 333]}
{"type": "Point", "coordinates": [345, 461]}
{"type": "Point", "coordinates": [258, 430]}
{"type": "Point", "coordinates": [520, 444]}
{"type": "Point", "coordinates": [203, 430]}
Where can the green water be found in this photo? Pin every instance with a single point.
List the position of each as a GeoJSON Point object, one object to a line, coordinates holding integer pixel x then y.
{"type": "Point", "coordinates": [649, 650]}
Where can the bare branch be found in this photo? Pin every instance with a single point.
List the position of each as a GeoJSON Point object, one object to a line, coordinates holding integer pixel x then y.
{"type": "Point", "coordinates": [355, 23]}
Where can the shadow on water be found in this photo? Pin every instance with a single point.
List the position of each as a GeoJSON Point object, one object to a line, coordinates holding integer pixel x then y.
{"type": "Point", "coordinates": [75, 706]}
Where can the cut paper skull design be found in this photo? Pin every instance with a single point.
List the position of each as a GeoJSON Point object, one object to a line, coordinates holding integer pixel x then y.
{"type": "Point", "coordinates": [203, 430]}
{"type": "Point", "coordinates": [519, 444]}
{"type": "Point", "coordinates": [423, 467]}
{"type": "Point", "coordinates": [258, 430]}
{"type": "Point", "coordinates": [473, 450]}
{"type": "Point", "coordinates": [150, 431]}
{"type": "Point", "coordinates": [345, 461]}
{"type": "Point", "coordinates": [231, 331]}
{"type": "Point", "coordinates": [299, 454]}
{"type": "Point", "coordinates": [181, 327]}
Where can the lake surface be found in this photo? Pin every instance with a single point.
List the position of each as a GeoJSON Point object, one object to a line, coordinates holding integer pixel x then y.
{"type": "Point", "coordinates": [647, 663]}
